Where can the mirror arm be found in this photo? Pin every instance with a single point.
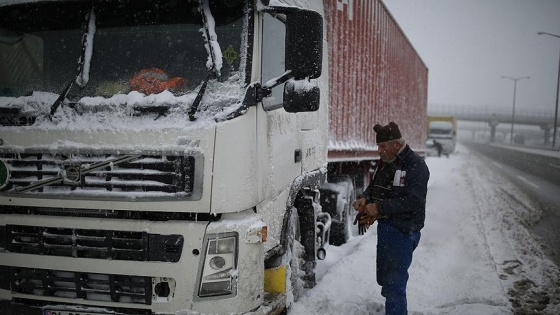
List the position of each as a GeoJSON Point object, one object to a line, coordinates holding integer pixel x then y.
{"type": "Point", "coordinates": [256, 92]}
{"type": "Point", "coordinates": [279, 80]}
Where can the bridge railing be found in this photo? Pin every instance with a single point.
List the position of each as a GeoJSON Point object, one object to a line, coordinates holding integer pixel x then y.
{"type": "Point", "coordinates": [489, 113]}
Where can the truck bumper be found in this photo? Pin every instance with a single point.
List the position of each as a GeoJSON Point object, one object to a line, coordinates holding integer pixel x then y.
{"type": "Point", "coordinates": [32, 281]}
{"type": "Point", "coordinates": [27, 308]}
{"type": "Point", "coordinates": [273, 304]}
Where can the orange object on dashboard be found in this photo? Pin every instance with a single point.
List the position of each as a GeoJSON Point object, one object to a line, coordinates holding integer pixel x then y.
{"type": "Point", "coordinates": [155, 80]}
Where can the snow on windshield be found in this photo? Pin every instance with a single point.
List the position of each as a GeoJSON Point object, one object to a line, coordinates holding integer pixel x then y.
{"type": "Point", "coordinates": [141, 70]}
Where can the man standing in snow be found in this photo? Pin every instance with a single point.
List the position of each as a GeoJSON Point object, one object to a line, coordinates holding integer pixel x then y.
{"type": "Point", "coordinates": [396, 198]}
{"type": "Point", "coordinates": [439, 147]}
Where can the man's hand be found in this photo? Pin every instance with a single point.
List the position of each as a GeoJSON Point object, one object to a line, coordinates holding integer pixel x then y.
{"type": "Point", "coordinates": [367, 219]}
{"type": "Point", "coordinates": [367, 214]}
{"type": "Point", "coordinates": [363, 222]}
{"type": "Point", "coordinates": [359, 204]}
{"type": "Point", "coordinates": [371, 210]}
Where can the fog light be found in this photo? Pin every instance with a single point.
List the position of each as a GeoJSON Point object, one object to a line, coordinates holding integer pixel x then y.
{"type": "Point", "coordinates": [162, 289]}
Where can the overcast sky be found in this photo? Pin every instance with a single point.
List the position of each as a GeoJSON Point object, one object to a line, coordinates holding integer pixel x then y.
{"type": "Point", "coordinates": [468, 45]}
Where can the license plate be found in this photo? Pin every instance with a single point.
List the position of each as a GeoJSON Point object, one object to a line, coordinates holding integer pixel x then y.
{"type": "Point", "coordinates": [65, 312]}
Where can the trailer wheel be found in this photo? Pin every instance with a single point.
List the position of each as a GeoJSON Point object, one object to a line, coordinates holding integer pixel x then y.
{"type": "Point", "coordinates": [342, 230]}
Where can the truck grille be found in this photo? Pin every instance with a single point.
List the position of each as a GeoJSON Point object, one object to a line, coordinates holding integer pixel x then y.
{"type": "Point", "coordinates": [77, 285]}
{"type": "Point", "coordinates": [115, 175]}
{"type": "Point", "coordinates": [95, 244]}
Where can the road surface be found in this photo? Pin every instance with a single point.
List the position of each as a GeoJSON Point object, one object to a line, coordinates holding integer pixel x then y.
{"type": "Point", "coordinates": [538, 174]}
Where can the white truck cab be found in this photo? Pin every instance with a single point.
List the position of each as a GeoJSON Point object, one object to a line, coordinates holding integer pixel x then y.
{"type": "Point", "coordinates": [159, 156]}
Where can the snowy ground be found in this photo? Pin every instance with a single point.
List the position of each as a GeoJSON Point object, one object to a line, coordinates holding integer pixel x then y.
{"type": "Point", "coordinates": [475, 256]}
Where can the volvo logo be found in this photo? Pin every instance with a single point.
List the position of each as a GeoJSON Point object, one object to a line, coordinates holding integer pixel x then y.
{"type": "Point", "coordinates": [72, 173]}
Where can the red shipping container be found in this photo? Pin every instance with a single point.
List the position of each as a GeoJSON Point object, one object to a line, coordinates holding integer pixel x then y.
{"type": "Point", "coordinates": [376, 76]}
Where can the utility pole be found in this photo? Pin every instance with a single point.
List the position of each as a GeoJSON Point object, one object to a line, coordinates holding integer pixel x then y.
{"type": "Point", "coordinates": [514, 93]}
{"type": "Point", "coordinates": [557, 91]}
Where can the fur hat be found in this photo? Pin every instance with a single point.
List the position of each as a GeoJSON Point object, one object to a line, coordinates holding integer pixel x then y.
{"type": "Point", "coordinates": [386, 133]}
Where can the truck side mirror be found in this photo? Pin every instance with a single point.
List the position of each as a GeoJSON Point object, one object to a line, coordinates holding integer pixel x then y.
{"type": "Point", "coordinates": [303, 57]}
{"type": "Point", "coordinates": [304, 44]}
{"type": "Point", "coordinates": [304, 41]}
{"type": "Point", "coordinates": [301, 96]}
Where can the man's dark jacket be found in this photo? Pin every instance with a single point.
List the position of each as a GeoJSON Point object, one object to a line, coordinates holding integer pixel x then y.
{"type": "Point", "coordinates": [404, 206]}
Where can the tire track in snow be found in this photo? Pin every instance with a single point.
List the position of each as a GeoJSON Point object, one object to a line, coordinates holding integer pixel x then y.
{"type": "Point", "coordinates": [530, 279]}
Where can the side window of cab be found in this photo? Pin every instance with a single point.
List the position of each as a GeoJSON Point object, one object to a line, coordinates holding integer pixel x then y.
{"type": "Point", "coordinates": [273, 58]}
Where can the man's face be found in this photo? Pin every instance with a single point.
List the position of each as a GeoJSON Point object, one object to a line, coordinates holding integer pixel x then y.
{"type": "Point", "coordinates": [388, 150]}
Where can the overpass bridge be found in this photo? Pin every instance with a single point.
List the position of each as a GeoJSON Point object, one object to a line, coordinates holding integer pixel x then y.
{"type": "Point", "coordinates": [495, 116]}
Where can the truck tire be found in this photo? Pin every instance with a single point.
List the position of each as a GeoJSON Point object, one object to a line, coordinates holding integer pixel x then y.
{"type": "Point", "coordinates": [300, 248]}
{"type": "Point", "coordinates": [306, 205]}
{"type": "Point", "coordinates": [295, 256]}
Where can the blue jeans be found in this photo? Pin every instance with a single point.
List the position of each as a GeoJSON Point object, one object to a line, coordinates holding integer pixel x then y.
{"type": "Point", "coordinates": [394, 256]}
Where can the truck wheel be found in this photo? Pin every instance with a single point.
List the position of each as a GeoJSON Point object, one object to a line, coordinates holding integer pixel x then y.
{"type": "Point", "coordinates": [295, 255]}
{"type": "Point", "coordinates": [307, 206]}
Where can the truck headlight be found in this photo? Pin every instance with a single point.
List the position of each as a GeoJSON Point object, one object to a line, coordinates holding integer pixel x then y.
{"type": "Point", "coordinates": [218, 276]}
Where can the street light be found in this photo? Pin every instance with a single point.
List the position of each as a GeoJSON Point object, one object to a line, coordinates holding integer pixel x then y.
{"type": "Point", "coordinates": [514, 92]}
{"type": "Point", "coordinates": [557, 87]}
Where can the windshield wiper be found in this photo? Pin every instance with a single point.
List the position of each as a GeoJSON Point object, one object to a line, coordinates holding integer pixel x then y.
{"type": "Point", "coordinates": [212, 45]}
{"type": "Point", "coordinates": [198, 99]}
{"type": "Point", "coordinates": [82, 76]}
{"type": "Point", "coordinates": [214, 54]}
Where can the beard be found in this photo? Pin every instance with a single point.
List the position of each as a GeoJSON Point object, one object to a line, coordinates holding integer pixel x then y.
{"type": "Point", "coordinates": [387, 158]}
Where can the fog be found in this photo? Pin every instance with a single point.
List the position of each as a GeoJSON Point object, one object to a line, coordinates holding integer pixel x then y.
{"type": "Point", "coordinates": [469, 45]}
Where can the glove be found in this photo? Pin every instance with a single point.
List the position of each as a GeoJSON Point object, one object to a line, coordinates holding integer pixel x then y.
{"type": "Point", "coordinates": [364, 221]}
{"type": "Point", "coordinates": [362, 228]}
{"type": "Point", "coordinates": [359, 204]}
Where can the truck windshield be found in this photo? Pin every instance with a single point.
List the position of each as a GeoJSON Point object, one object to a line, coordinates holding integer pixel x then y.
{"type": "Point", "coordinates": [440, 128]}
{"type": "Point", "coordinates": [146, 46]}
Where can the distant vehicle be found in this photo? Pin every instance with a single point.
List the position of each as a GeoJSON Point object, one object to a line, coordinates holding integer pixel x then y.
{"type": "Point", "coordinates": [443, 129]}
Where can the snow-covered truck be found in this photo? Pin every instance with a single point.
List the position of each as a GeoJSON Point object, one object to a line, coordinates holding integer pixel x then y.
{"type": "Point", "coordinates": [168, 157]}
